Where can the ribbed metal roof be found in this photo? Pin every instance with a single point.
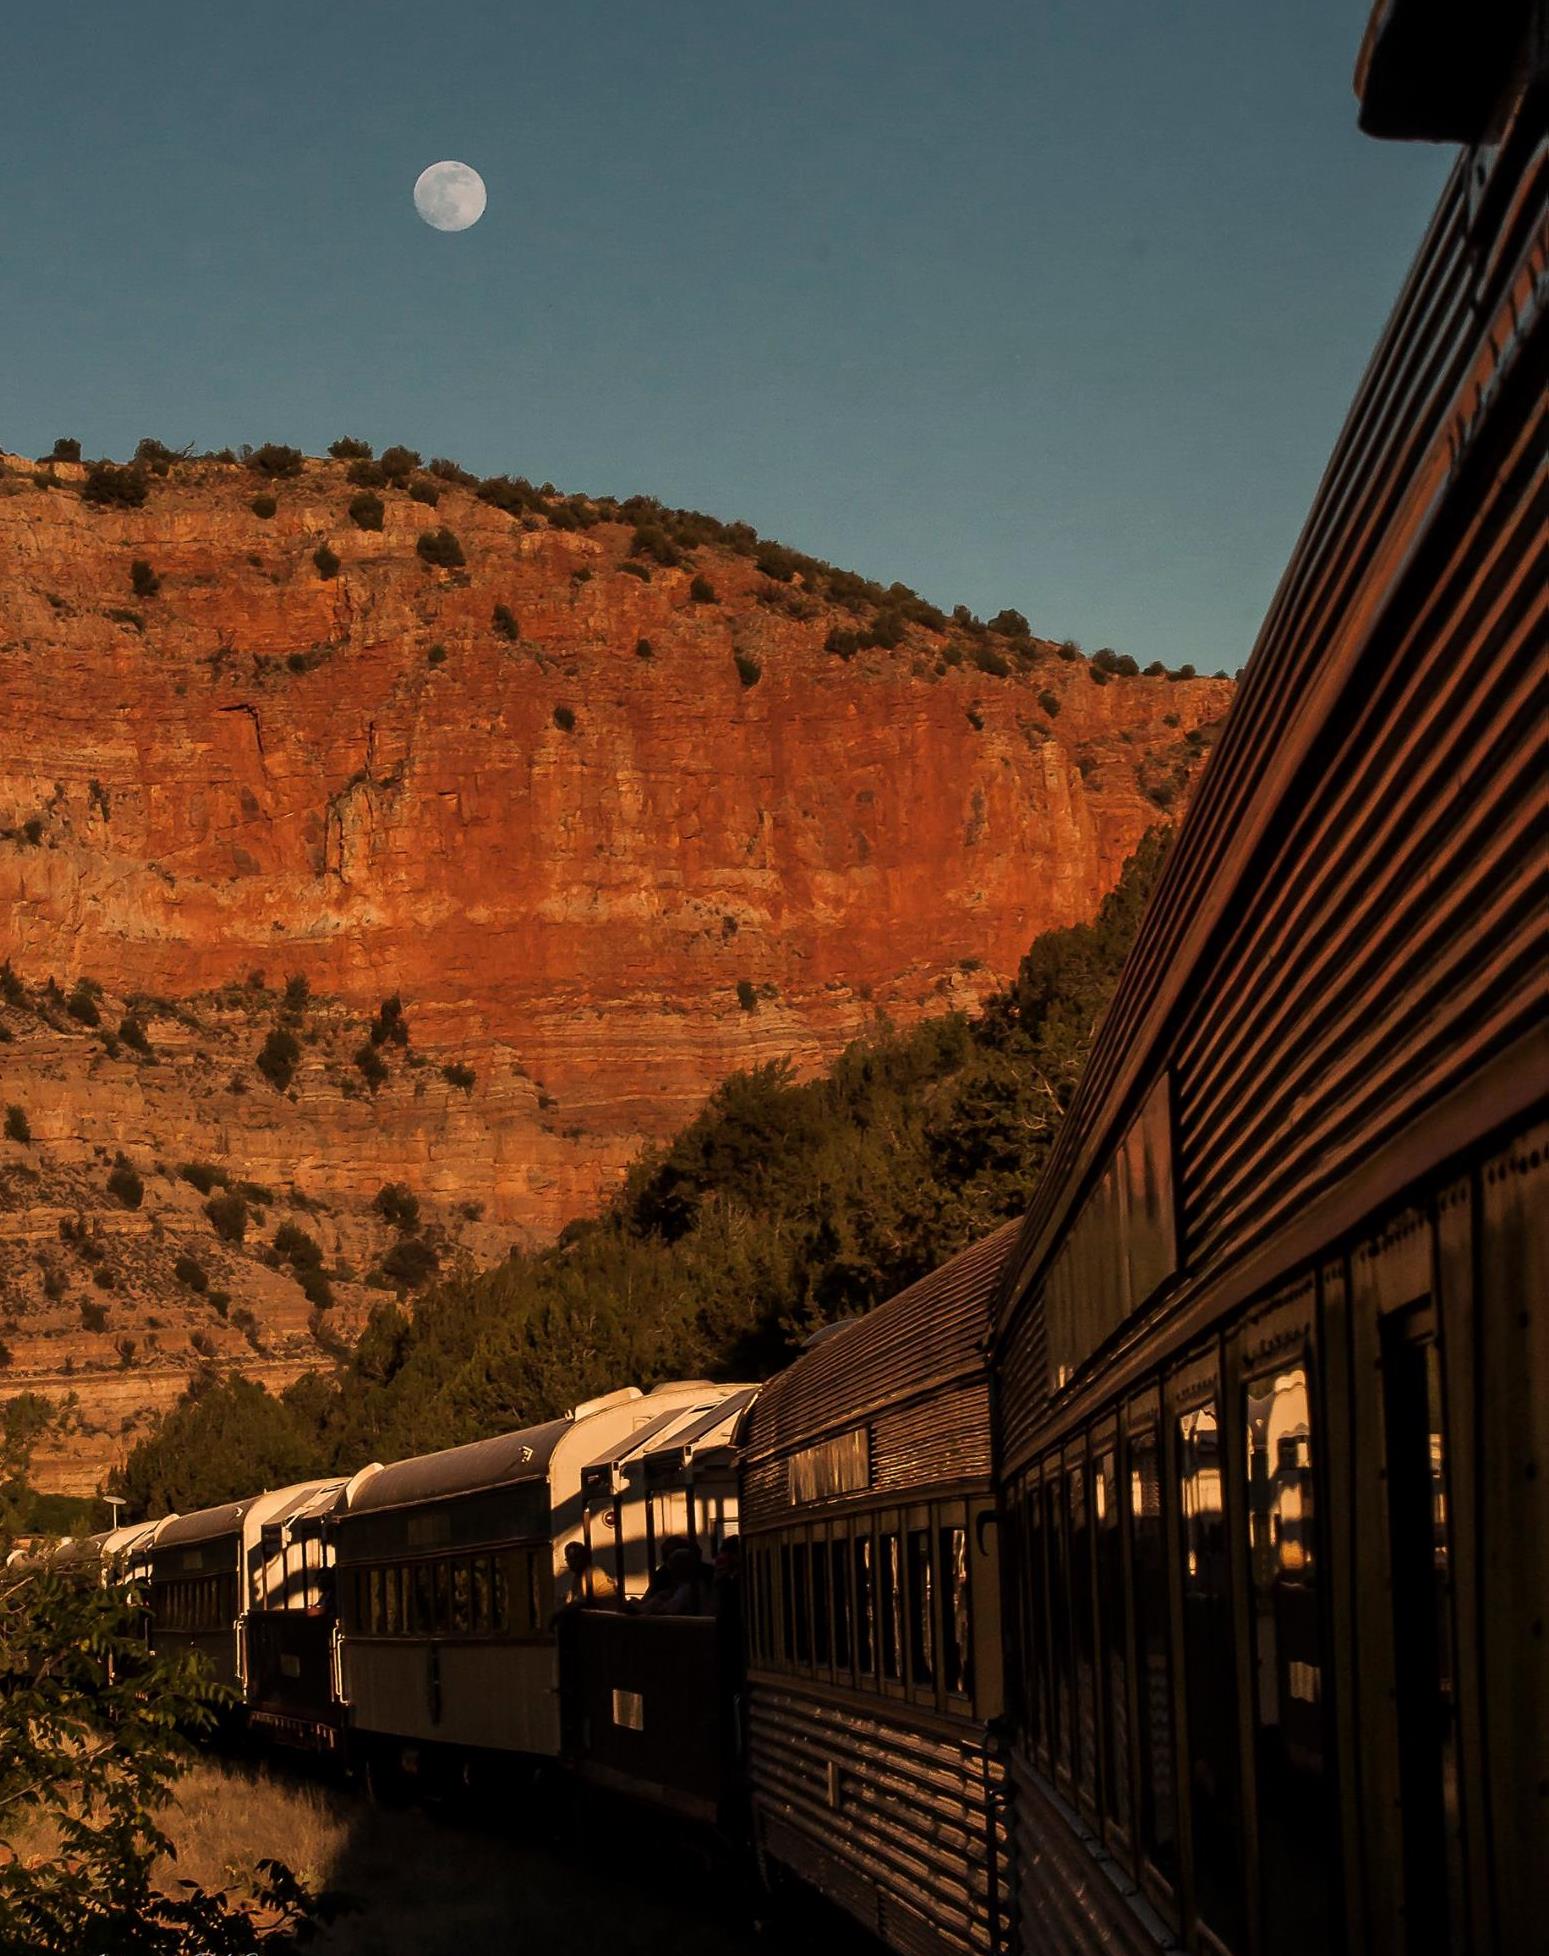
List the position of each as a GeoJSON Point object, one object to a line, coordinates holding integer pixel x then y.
{"type": "Point", "coordinates": [204, 1525]}
{"type": "Point", "coordinates": [508, 1457]}
{"type": "Point", "coordinates": [931, 1332]}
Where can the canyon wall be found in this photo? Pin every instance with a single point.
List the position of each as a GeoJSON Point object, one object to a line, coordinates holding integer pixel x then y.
{"type": "Point", "coordinates": [609, 828]}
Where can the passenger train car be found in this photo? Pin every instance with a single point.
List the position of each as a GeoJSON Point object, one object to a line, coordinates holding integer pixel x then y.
{"type": "Point", "coordinates": [449, 1571]}
{"type": "Point", "coordinates": [873, 1603]}
{"type": "Point", "coordinates": [1169, 1570]}
{"type": "Point", "coordinates": [1271, 1361]}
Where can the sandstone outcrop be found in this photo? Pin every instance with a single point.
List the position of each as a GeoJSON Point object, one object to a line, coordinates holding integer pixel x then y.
{"type": "Point", "coordinates": [606, 832]}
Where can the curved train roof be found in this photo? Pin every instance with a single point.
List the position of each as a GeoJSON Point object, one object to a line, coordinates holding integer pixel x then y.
{"type": "Point", "coordinates": [204, 1524]}
{"type": "Point", "coordinates": [508, 1457]}
{"type": "Point", "coordinates": [932, 1332]}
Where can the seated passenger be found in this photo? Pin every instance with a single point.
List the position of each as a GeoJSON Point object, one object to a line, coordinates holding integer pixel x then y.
{"type": "Point", "coordinates": [586, 1586]}
{"type": "Point", "coordinates": [686, 1591]}
{"type": "Point", "coordinates": [662, 1582]}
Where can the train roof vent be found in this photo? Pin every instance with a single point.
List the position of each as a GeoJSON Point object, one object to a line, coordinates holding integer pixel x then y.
{"type": "Point", "coordinates": [605, 1400]}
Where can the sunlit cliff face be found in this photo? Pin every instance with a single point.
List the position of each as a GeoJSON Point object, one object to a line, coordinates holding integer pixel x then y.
{"type": "Point", "coordinates": [608, 841]}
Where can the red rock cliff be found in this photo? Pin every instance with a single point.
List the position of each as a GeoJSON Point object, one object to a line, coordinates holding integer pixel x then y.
{"type": "Point", "coordinates": [577, 863]}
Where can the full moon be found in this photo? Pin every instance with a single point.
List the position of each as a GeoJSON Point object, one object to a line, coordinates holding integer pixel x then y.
{"type": "Point", "coordinates": [449, 196]}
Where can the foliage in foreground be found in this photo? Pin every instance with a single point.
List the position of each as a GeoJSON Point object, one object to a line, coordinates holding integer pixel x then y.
{"type": "Point", "coordinates": [94, 1734]}
{"type": "Point", "coordinates": [780, 1208]}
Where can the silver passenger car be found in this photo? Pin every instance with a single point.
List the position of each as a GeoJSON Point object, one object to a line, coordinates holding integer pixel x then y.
{"type": "Point", "coordinates": [449, 1568]}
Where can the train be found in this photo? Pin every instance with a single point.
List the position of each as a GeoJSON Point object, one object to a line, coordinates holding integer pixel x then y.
{"type": "Point", "coordinates": [1168, 1570]}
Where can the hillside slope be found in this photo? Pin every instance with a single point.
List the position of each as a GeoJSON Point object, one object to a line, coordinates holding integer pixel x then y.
{"type": "Point", "coordinates": [622, 802]}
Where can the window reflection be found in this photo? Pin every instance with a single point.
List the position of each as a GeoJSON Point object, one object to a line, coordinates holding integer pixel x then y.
{"type": "Point", "coordinates": [865, 1606]}
{"type": "Point", "coordinates": [1112, 1681]}
{"type": "Point", "coordinates": [957, 1640]}
{"type": "Point", "coordinates": [1289, 1735]}
{"type": "Point", "coordinates": [1210, 1675]}
{"type": "Point", "coordinates": [922, 1618]}
{"type": "Point", "coordinates": [1158, 1809]}
{"type": "Point", "coordinates": [1083, 1632]}
{"type": "Point", "coordinates": [890, 1606]}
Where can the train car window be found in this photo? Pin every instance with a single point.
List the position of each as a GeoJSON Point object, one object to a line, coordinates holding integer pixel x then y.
{"type": "Point", "coordinates": [922, 1610]}
{"type": "Point", "coordinates": [390, 1601]}
{"type": "Point", "coordinates": [1420, 1551]}
{"type": "Point", "coordinates": [1113, 1663]}
{"type": "Point", "coordinates": [820, 1618]}
{"type": "Point", "coordinates": [865, 1607]}
{"type": "Point", "coordinates": [801, 1604]}
{"type": "Point", "coordinates": [753, 1599]}
{"type": "Point", "coordinates": [540, 1592]}
{"type": "Point", "coordinates": [443, 1593]}
{"type": "Point", "coordinates": [839, 1560]}
{"type": "Point", "coordinates": [1083, 1631]}
{"type": "Point", "coordinates": [482, 1605]}
{"type": "Point", "coordinates": [376, 1614]}
{"type": "Point", "coordinates": [461, 1612]}
{"type": "Point", "coordinates": [1035, 1649]}
{"type": "Point", "coordinates": [787, 1606]}
{"type": "Point", "coordinates": [759, 1616]}
{"type": "Point", "coordinates": [500, 1595]}
{"type": "Point", "coordinates": [424, 1598]}
{"type": "Point", "coordinates": [1158, 1811]}
{"type": "Point", "coordinates": [890, 1606]}
{"type": "Point", "coordinates": [1296, 1845]}
{"type": "Point", "coordinates": [956, 1625]}
{"type": "Point", "coordinates": [1210, 1675]}
{"type": "Point", "coordinates": [1062, 1719]}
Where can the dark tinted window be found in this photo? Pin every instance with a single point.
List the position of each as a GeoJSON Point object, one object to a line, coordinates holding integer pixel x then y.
{"type": "Point", "coordinates": [1035, 1652]}
{"type": "Point", "coordinates": [424, 1598]}
{"type": "Point", "coordinates": [1153, 1672]}
{"type": "Point", "coordinates": [801, 1594]}
{"type": "Point", "coordinates": [1083, 1630]}
{"type": "Point", "coordinates": [461, 1609]}
{"type": "Point", "coordinates": [1111, 1665]}
{"type": "Point", "coordinates": [1059, 1624]}
{"type": "Point", "coordinates": [787, 1606]}
{"type": "Point", "coordinates": [820, 1624]}
{"type": "Point", "coordinates": [956, 1627]}
{"type": "Point", "coordinates": [890, 1605]}
{"type": "Point", "coordinates": [865, 1606]}
{"type": "Point", "coordinates": [1294, 1795]}
{"type": "Point", "coordinates": [482, 1619]}
{"type": "Point", "coordinates": [500, 1599]}
{"type": "Point", "coordinates": [443, 1592]}
{"type": "Point", "coordinates": [922, 1608]}
{"type": "Point", "coordinates": [1420, 1547]}
{"type": "Point", "coordinates": [838, 1560]}
{"type": "Point", "coordinates": [1210, 1674]}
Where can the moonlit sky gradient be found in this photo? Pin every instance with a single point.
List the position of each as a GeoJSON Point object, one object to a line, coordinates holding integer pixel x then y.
{"type": "Point", "coordinates": [1047, 303]}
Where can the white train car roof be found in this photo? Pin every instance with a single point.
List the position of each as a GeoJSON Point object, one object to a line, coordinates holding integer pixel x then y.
{"type": "Point", "coordinates": [245, 1517]}
{"type": "Point", "coordinates": [702, 1434]}
{"type": "Point", "coordinates": [555, 1451]}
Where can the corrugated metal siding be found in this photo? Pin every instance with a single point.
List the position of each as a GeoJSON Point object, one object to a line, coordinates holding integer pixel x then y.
{"type": "Point", "coordinates": [929, 1333]}
{"type": "Point", "coordinates": [943, 1438]}
{"type": "Point", "coordinates": [765, 1492]}
{"type": "Point", "coordinates": [906, 1848]}
{"type": "Point", "coordinates": [1071, 1899]}
{"type": "Point", "coordinates": [1351, 922]}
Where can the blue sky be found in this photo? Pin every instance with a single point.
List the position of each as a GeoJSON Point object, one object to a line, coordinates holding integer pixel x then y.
{"type": "Point", "coordinates": [1055, 304]}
